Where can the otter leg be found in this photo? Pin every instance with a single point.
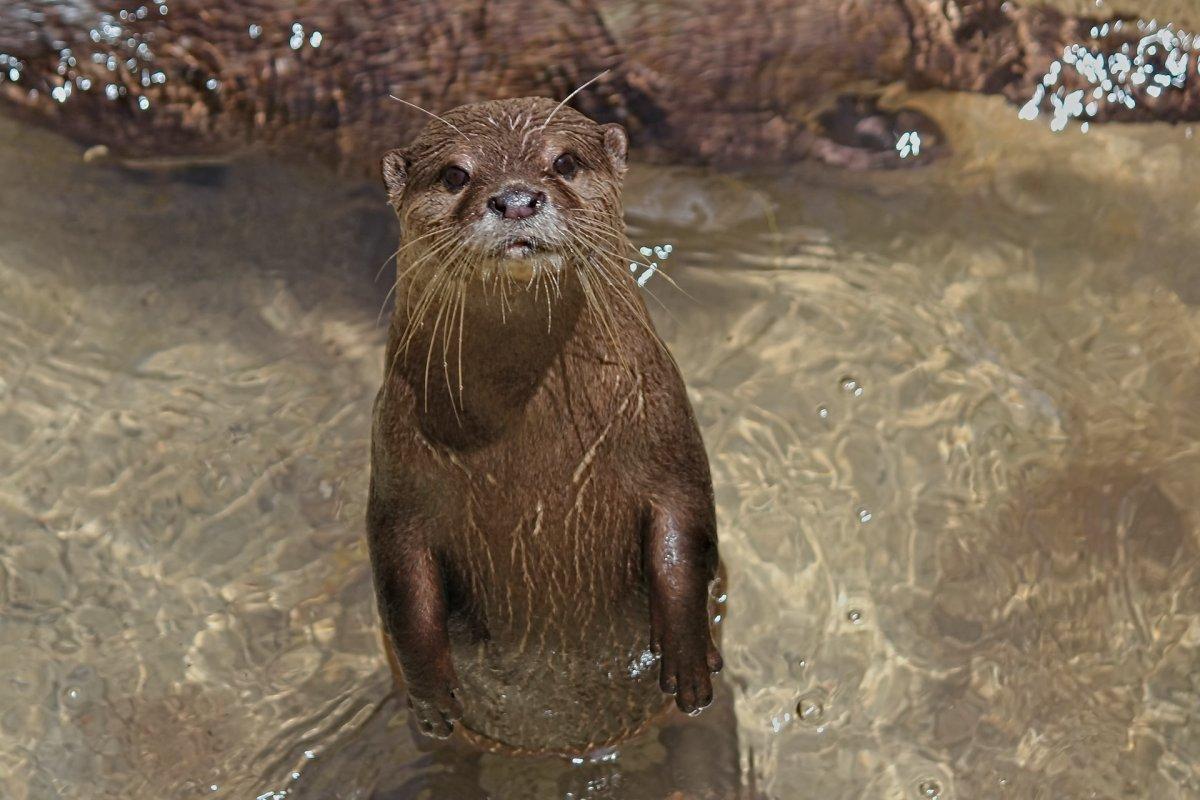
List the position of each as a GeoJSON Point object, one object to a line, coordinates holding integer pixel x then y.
{"type": "Point", "coordinates": [410, 590]}
{"type": "Point", "coordinates": [680, 562]}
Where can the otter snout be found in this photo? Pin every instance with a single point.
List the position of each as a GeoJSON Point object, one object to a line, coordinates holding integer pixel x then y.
{"type": "Point", "coordinates": [516, 202]}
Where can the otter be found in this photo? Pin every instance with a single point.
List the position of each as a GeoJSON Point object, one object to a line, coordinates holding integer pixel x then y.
{"type": "Point", "coordinates": [541, 520]}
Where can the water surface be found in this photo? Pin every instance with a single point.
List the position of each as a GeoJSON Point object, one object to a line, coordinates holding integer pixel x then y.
{"type": "Point", "coordinates": [951, 414]}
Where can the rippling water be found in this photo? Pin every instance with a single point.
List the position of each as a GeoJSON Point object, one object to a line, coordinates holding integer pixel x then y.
{"type": "Point", "coordinates": [953, 421]}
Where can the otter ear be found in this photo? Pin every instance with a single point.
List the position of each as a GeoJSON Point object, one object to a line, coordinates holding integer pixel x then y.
{"type": "Point", "coordinates": [616, 145]}
{"type": "Point", "coordinates": [395, 173]}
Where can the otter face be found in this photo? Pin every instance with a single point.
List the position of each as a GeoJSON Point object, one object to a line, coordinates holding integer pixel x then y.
{"type": "Point", "coordinates": [511, 181]}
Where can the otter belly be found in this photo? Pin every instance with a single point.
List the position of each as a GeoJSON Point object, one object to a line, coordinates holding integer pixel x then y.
{"type": "Point", "coordinates": [570, 698]}
{"type": "Point", "coordinates": [550, 632]}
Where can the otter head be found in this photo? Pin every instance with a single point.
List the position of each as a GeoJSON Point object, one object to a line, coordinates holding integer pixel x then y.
{"type": "Point", "coordinates": [521, 184]}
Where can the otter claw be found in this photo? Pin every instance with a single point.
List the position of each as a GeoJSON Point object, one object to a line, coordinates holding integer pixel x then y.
{"type": "Point", "coordinates": [686, 672]}
{"type": "Point", "coordinates": [436, 712]}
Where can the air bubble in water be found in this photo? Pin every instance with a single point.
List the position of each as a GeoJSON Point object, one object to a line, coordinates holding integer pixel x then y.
{"type": "Point", "coordinates": [823, 412]}
{"type": "Point", "coordinates": [73, 697]}
{"type": "Point", "coordinates": [930, 789]}
{"type": "Point", "coordinates": [854, 615]}
{"type": "Point", "coordinates": [810, 709]}
{"type": "Point", "coordinates": [852, 386]}
{"type": "Point", "coordinates": [864, 515]}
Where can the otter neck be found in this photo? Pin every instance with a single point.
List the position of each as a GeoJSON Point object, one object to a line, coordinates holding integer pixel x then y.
{"type": "Point", "coordinates": [473, 373]}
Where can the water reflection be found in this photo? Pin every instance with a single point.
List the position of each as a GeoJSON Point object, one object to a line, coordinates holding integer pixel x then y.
{"type": "Point", "coordinates": [952, 421]}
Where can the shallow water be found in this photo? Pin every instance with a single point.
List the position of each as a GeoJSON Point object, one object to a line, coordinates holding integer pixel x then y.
{"type": "Point", "coordinates": [953, 425]}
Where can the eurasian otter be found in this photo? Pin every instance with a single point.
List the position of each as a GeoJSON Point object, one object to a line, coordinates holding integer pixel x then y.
{"type": "Point", "coordinates": [541, 518]}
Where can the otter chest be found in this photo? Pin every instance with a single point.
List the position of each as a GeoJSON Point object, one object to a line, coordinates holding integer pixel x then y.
{"type": "Point", "coordinates": [553, 514]}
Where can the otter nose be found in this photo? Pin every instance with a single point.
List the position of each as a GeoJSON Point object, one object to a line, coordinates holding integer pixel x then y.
{"type": "Point", "coordinates": [516, 202]}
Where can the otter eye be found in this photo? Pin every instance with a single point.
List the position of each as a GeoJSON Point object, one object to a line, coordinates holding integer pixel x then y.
{"type": "Point", "coordinates": [565, 165]}
{"type": "Point", "coordinates": [455, 177]}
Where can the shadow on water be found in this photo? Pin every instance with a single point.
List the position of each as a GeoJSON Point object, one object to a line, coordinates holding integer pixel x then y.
{"type": "Point", "coordinates": [177, 223]}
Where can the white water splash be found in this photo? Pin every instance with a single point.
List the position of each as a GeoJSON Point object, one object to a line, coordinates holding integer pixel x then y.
{"type": "Point", "coordinates": [1160, 60]}
{"type": "Point", "coordinates": [660, 251]}
{"type": "Point", "coordinates": [909, 144]}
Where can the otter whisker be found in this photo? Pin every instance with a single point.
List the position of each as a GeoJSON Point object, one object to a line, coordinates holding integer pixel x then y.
{"type": "Point", "coordinates": [499, 286]}
{"type": "Point", "coordinates": [386, 297]}
{"type": "Point", "coordinates": [444, 249]}
{"type": "Point", "coordinates": [591, 303]}
{"type": "Point", "coordinates": [416, 317]}
{"type": "Point", "coordinates": [455, 308]}
{"type": "Point", "coordinates": [407, 332]}
{"type": "Point", "coordinates": [407, 245]}
{"type": "Point", "coordinates": [437, 248]}
{"type": "Point", "coordinates": [452, 299]}
{"type": "Point", "coordinates": [414, 321]}
{"type": "Point", "coordinates": [462, 316]}
{"type": "Point", "coordinates": [432, 251]}
{"type": "Point", "coordinates": [672, 283]}
{"type": "Point", "coordinates": [658, 271]}
{"type": "Point", "coordinates": [595, 304]}
{"type": "Point", "coordinates": [444, 293]}
{"type": "Point", "coordinates": [572, 94]}
{"type": "Point", "coordinates": [383, 305]}
{"type": "Point", "coordinates": [624, 292]}
{"type": "Point", "coordinates": [430, 113]}
{"type": "Point", "coordinates": [598, 223]}
{"type": "Point", "coordinates": [506, 283]}
{"type": "Point", "coordinates": [552, 279]}
{"type": "Point", "coordinates": [466, 272]}
{"type": "Point", "coordinates": [432, 290]}
{"type": "Point", "coordinates": [444, 305]}
{"type": "Point", "coordinates": [403, 342]}
{"type": "Point", "coordinates": [383, 266]}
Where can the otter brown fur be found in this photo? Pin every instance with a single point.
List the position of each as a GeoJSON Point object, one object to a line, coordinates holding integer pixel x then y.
{"type": "Point", "coordinates": [541, 517]}
{"type": "Point", "coordinates": [702, 80]}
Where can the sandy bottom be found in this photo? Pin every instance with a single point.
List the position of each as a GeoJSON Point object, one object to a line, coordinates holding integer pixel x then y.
{"type": "Point", "coordinates": [953, 421]}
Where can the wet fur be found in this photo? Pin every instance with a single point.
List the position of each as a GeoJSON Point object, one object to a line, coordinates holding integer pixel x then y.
{"type": "Point", "coordinates": [541, 513]}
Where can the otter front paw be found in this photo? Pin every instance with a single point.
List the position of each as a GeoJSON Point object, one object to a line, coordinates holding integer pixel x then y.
{"type": "Point", "coordinates": [687, 665]}
{"type": "Point", "coordinates": [436, 709]}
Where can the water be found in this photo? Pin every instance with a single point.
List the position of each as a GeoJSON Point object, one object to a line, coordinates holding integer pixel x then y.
{"type": "Point", "coordinates": [952, 420]}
